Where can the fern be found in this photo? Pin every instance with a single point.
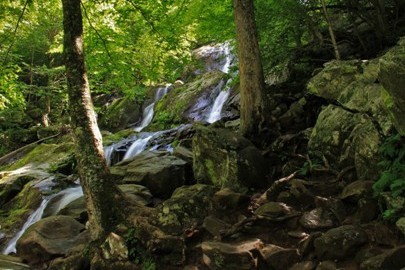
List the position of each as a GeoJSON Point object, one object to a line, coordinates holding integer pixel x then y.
{"type": "Point", "coordinates": [392, 178]}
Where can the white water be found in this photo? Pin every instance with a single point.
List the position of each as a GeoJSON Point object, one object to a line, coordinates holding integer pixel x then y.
{"type": "Point", "coordinates": [147, 115]}
{"type": "Point", "coordinates": [137, 147]}
{"type": "Point", "coordinates": [108, 150]}
{"type": "Point", "coordinates": [67, 196]}
{"type": "Point", "coordinates": [34, 217]}
{"type": "Point", "coordinates": [216, 110]}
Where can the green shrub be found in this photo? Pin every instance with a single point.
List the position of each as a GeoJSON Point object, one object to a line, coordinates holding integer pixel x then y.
{"type": "Point", "coordinates": [392, 178]}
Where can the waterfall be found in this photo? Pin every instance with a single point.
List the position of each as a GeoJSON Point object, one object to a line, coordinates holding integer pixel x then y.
{"type": "Point", "coordinates": [137, 147]}
{"type": "Point", "coordinates": [34, 217]}
{"type": "Point", "coordinates": [108, 150]}
{"type": "Point", "coordinates": [67, 196]}
{"type": "Point", "coordinates": [215, 113]}
{"type": "Point", "coordinates": [147, 115]}
{"type": "Point", "coordinates": [146, 118]}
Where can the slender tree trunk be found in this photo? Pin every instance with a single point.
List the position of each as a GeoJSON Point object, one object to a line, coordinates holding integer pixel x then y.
{"type": "Point", "coordinates": [331, 32]}
{"type": "Point", "coordinates": [252, 94]}
{"type": "Point", "coordinates": [98, 189]}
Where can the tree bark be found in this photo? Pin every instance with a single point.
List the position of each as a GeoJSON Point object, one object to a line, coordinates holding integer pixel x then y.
{"type": "Point", "coordinates": [252, 94]}
{"type": "Point", "coordinates": [331, 32]}
{"type": "Point", "coordinates": [98, 189]}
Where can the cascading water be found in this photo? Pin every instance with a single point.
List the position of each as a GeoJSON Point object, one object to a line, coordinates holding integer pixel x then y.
{"type": "Point", "coordinates": [34, 217]}
{"type": "Point", "coordinates": [215, 113]}
{"type": "Point", "coordinates": [137, 147]}
{"type": "Point", "coordinates": [54, 203]}
{"type": "Point", "coordinates": [148, 111]}
{"type": "Point", "coordinates": [66, 196]}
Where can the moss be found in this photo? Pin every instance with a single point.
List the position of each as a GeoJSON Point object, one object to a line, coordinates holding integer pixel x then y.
{"type": "Point", "coordinates": [170, 110]}
{"type": "Point", "coordinates": [19, 208]}
{"type": "Point", "coordinates": [116, 137]}
{"type": "Point", "coordinates": [45, 154]}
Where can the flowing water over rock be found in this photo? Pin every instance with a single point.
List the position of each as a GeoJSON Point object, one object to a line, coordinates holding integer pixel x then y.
{"type": "Point", "coordinates": [149, 110]}
{"type": "Point", "coordinates": [219, 57]}
{"type": "Point", "coordinates": [65, 196]}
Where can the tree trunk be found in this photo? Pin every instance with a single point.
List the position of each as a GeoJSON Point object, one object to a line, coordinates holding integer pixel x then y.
{"type": "Point", "coordinates": [331, 32]}
{"type": "Point", "coordinates": [252, 95]}
{"type": "Point", "coordinates": [98, 189]}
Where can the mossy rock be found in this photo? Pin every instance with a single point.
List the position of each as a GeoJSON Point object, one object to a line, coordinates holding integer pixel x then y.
{"type": "Point", "coordinates": [346, 139]}
{"type": "Point", "coordinates": [392, 77]}
{"type": "Point", "coordinates": [354, 84]}
{"type": "Point", "coordinates": [120, 114]}
{"type": "Point", "coordinates": [118, 136]}
{"type": "Point", "coordinates": [17, 210]}
{"type": "Point", "coordinates": [188, 206]}
{"type": "Point", "coordinates": [46, 155]}
{"type": "Point", "coordinates": [225, 159]}
{"type": "Point", "coordinates": [172, 109]}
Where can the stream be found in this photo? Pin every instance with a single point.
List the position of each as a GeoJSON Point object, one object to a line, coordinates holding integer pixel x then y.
{"type": "Point", "coordinates": [141, 141]}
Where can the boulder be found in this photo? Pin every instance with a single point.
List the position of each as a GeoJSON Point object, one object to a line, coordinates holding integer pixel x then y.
{"type": "Point", "coordinates": [120, 114]}
{"type": "Point", "coordinates": [390, 259]}
{"type": "Point", "coordinates": [391, 76]}
{"type": "Point", "coordinates": [348, 132]}
{"type": "Point", "coordinates": [229, 256]}
{"type": "Point", "coordinates": [51, 237]}
{"type": "Point", "coordinates": [160, 172]}
{"type": "Point", "coordinates": [357, 190]}
{"type": "Point", "coordinates": [318, 219]}
{"type": "Point", "coordinates": [226, 199]}
{"type": "Point", "coordinates": [278, 258]}
{"type": "Point", "coordinates": [340, 242]}
{"type": "Point", "coordinates": [225, 159]}
{"type": "Point", "coordinates": [137, 193]}
{"type": "Point", "coordinates": [190, 101]}
{"type": "Point", "coordinates": [187, 207]}
{"type": "Point", "coordinates": [276, 211]}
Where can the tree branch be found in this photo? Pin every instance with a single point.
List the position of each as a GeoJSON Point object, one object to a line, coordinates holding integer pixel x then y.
{"type": "Point", "coordinates": [15, 31]}
{"type": "Point", "coordinates": [95, 30]}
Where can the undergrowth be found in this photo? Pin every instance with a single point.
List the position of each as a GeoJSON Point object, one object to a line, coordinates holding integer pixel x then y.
{"type": "Point", "coordinates": [136, 251]}
{"type": "Point", "coordinates": [392, 178]}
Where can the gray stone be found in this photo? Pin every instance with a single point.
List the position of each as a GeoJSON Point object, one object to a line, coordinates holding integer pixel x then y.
{"type": "Point", "coordinates": [278, 258]}
{"type": "Point", "coordinates": [391, 259]}
{"type": "Point", "coordinates": [222, 158]}
{"type": "Point", "coordinates": [224, 256]}
{"type": "Point", "coordinates": [357, 190]}
{"type": "Point", "coordinates": [340, 242]}
{"type": "Point", "coordinates": [317, 219]}
{"type": "Point", "coordinates": [159, 172]}
{"type": "Point", "coordinates": [276, 211]}
{"type": "Point", "coordinates": [187, 207]}
{"type": "Point", "coordinates": [51, 237]}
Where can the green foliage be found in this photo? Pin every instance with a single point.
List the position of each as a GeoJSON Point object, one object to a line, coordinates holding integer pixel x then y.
{"type": "Point", "coordinates": [10, 89]}
{"type": "Point", "coordinates": [392, 178]}
{"type": "Point", "coordinates": [137, 252]}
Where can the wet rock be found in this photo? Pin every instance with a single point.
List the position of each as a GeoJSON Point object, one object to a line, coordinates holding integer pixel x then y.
{"type": "Point", "coordinates": [51, 237]}
{"type": "Point", "coordinates": [187, 207]}
{"type": "Point", "coordinates": [357, 190]}
{"type": "Point", "coordinates": [306, 245]}
{"type": "Point", "coordinates": [391, 259]}
{"type": "Point", "coordinates": [190, 101]}
{"type": "Point", "coordinates": [227, 199]}
{"type": "Point", "coordinates": [159, 172]}
{"type": "Point", "coordinates": [318, 219]}
{"type": "Point", "coordinates": [276, 211]}
{"type": "Point", "coordinates": [224, 256]}
{"type": "Point", "coordinates": [279, 258]}
{"type": "Point", "coordinates": [76, 210]}
{"type": "Point", "coordinates": [340, 242]}
{"type": "Point", "coordinates": [225, 159]}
